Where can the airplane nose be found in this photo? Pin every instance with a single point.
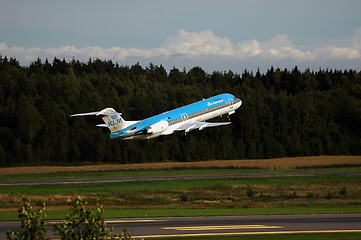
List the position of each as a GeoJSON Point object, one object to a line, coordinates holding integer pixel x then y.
{"type": "Point", "coordinates": [238, 102]}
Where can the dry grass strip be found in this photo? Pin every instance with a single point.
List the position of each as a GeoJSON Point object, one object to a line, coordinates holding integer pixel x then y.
{"type": "Point", "coordinates": [275, 163]}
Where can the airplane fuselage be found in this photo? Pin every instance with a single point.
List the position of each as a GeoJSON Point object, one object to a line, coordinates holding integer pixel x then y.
{"type": "Point", "coordinates": [185, 118]}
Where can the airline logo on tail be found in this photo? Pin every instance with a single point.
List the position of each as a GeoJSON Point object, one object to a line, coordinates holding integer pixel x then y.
{"type": "Point", "coordinates": [115, 121]}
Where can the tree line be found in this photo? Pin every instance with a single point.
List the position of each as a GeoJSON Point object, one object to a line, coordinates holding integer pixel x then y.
{"type": "Point", "coordinates": [284, 113]}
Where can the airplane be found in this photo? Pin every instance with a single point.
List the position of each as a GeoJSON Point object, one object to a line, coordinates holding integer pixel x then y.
{"type": "Point", "coordinates": [186, 118]}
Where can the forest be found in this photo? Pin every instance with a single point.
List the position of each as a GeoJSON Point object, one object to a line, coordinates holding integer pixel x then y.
{"type": "Point", "coordinates": [285, 112]}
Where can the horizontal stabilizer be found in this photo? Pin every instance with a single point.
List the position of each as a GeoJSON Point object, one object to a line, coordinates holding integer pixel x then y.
{"type": "Point", "coordinates": [84, 114]}
{"type": "Point", "coordinates": [199, 125]}
{"type": "Point", "coordinates": [102, 125]}
{"type": "Point", "coordinates": [105, 112]}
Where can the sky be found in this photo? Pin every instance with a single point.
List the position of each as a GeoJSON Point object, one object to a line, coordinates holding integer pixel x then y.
{"type": "Point", "coordinates": [217, 35]}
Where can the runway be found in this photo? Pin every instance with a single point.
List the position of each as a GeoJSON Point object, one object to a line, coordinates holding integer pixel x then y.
{"type": "Point", "coordinates": [228, 225]}
{"type": "Point", "coordinates": [169, 177]}
{"type": "Point", "coordinates": [239, 225]}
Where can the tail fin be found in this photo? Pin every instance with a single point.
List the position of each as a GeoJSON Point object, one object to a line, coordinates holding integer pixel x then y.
{"type": "Point", "coordinates": [112, 119]}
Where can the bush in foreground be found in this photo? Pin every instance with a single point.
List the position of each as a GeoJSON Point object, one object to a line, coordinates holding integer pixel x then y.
{"type": "Point", "coordinates": [81, 223]}
{"type": "Point", "coordinates": [33, 225]}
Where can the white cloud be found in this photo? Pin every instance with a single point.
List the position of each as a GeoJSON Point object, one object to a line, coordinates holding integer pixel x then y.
{"type": "Point", "coordinates": [333, 52]}
{"type": "Point", "coordinates": [249, 48]}
{"type": "Point", "coordinates": [204, 46]}
{"type": "Point", "coordinates": [280, 47]}
{"type": "Point", "coordinates": [204, 43]}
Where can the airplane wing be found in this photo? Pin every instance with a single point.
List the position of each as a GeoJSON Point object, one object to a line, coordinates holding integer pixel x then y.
{"type": "Point", "coordinates": [199, 125]}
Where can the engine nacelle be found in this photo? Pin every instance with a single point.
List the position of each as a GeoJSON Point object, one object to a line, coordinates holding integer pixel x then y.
{"type": "Point", "coordinates": [156, 127]}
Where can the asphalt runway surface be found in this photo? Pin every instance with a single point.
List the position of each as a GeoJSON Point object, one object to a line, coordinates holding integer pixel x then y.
{"type": "Point", "coordinates": [226, 225]}
{"type": "Point", "coordinates": [170, 177]}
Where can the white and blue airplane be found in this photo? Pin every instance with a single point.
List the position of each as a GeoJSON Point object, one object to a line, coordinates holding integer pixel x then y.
{"type": "Point", "coordinates": [186, 118]}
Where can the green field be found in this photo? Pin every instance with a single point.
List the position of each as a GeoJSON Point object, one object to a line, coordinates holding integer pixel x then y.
{"type": "Point", "coordinates": [81, 188]}
{"type": "Point", "coordinates": [205, 197]}
{"type": "Point", "coordinates": [198, 197]}
{"type": "Point", "coordinates": [185, 212]}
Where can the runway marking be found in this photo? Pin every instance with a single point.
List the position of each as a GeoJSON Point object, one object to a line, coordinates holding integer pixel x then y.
{"type": "Point", "coordinates": [130, 221]}
{"type": "Point", "coordinates": [246, 233]}
{"type": "Point", "coordinates": [229, 227]}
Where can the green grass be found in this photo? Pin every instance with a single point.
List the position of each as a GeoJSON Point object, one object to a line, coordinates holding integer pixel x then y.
{"type": "Point", "coordinates": [43, 190]}
{"type": "Point", "coordinates": [136, 173]}
{"type": "Point", "coordinates": [129, 173]}
{"type": "Point", "coordinates": [157, 212]}
{"type": "Point", "coordinates": [308, 236]}
{"type": "Point", "coordinates": [183, 212]}
{"type": "Point", "coordinates": [173, 185]}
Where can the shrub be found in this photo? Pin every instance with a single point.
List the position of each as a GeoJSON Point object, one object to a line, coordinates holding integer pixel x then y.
{"type": "Point", "coordinates": [82, 223]}
{"type": "Point", "coordinates": [250, 192]}
{"type": "Point", "coordinates": [343, 191]}
{"type": "Point", "coordinates": [33, 225]}
{"type": "Point", "coordinates": [185, 198]}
